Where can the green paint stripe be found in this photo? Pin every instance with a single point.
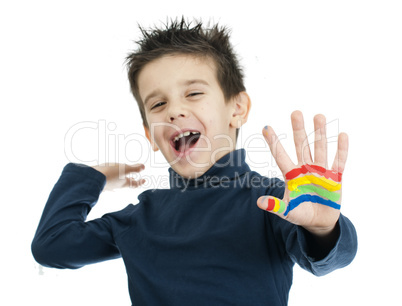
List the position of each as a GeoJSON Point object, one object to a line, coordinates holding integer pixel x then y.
{"type": "Point", "coordinates": [333, 196]}
{"type": "Point", "coordinates": [282, 207]}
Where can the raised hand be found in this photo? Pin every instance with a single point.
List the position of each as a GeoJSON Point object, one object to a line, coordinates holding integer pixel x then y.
{"type": "Point", "coordinates": [117, 175]}
{"type": "Point", "coordinates": [312, 196]}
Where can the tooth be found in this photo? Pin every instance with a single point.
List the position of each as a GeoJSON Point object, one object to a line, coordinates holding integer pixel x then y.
{"type": "Point", "coordinates": [178, 137]}
{"type": "Point", "coordinates": [188, 133]}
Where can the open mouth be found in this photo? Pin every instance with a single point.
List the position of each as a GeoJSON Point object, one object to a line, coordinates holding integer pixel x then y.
{"type": "Point", "coordinates": [185, 140]}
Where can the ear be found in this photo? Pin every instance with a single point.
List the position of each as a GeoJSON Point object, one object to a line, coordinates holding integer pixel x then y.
{"type": "Point", "coordinates": [242, 105]}
{"type": "Point", "coordinates": [149, 137]}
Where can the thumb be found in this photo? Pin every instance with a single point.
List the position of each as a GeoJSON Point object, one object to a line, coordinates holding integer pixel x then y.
{"type": "Point", "coordinates": [133, 168]}
{"type": "Point", "coordinates": [272, 204]}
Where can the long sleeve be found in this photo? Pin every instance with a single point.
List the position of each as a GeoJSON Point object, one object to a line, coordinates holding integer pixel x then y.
{"type": "Point", "coordinates": [63, 238]}
{"type": "Point", "coordinates": [338, 257]}
{"type": "Point", "coordinates": [300, 247]}
{"type": "Point", "coordinates": [301, 250]}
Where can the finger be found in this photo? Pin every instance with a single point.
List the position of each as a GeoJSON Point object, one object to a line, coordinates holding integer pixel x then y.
{"type": "Point", "coordinates": [133, 168]}
{"type": "Point", "coordinates": [133, 183]}
{"type": "Point", "coordinates": [278, 152]}
{"type": "Point", "coordinates": [341, 153]}
{"type": "Point", "coordinates": [300, 138]}
{"type": "Point", "coordinates": [272, 204]}
{"type": "Point", "coordinates": [320, 141]}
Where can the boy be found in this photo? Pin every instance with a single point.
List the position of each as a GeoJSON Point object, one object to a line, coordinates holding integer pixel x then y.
{"type": "Point", "coordinates": [208, 240]}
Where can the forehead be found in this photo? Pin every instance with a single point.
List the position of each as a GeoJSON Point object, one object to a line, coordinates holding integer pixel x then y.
{"type": "Point", "coordinates": [173, 70]}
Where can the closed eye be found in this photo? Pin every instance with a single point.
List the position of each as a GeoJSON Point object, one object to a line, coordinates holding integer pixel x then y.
{"type": "Point", "coordinates": [193, 94]}
{"type": "Point", "coordinates": [156, 105]}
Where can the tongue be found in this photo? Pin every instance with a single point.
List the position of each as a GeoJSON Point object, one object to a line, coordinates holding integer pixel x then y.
{"type": "Point", "coordinates": [182, 144]}
{"type": "Point", "coordinates": [186, 142]}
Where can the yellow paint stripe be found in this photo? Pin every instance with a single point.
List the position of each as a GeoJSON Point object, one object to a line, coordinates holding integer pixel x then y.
{"type": "Point", "coordinates": [311, 179]}
{"type": "Point", "coordinates": [277, 205]}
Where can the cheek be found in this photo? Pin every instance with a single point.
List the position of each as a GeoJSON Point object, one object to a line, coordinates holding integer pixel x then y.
{"type": "Point", "coordinates": [155, 132]}
{"type": "Point", "coordinates": [158, 134]}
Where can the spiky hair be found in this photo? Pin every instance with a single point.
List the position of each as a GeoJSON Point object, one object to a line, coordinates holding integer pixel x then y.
{"type": "Point", "coordinates": [183, 37]}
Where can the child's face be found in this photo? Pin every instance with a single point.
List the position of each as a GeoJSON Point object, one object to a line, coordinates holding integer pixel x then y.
{"type": "Point", "coordinates": [188, 118]}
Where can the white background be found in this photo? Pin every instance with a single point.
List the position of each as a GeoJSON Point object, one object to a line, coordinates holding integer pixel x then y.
{"type": "Point", "coordinates": [62, 64]}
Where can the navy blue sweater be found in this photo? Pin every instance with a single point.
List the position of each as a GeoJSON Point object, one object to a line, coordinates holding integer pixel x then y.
{"type": "Point", "coordinates": [201, 242]}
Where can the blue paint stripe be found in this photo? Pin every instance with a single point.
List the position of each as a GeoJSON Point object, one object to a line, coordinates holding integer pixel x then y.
{"type": "Point", "coordinates": [310, 198]}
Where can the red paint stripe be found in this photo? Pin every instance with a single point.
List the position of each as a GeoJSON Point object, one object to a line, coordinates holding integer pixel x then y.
{"type": "Point", "coordinates": [329, 174]}
{"type": "Point", "coordinates": [271, 204]}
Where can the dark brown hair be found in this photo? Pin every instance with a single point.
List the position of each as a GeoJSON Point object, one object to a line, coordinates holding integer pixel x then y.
{"type": "Point", "coordinates": [181, 37]}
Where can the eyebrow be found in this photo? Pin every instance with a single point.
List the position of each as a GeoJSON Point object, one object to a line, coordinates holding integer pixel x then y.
{"type": "Point", "coordinates": [151, 95]}
{"type": "Point", "coordinates": [196, 81]}
{"type": "Point", "coordinates": [185, 83]}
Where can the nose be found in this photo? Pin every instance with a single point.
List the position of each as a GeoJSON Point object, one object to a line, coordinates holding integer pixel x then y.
{"type": "Point", "coordinates": [176, 110]}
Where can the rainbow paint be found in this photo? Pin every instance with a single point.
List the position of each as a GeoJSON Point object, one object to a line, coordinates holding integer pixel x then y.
{"type": "Point", "coordinates": [323, 187]}
{"type": "Point", "coordinates": [276, 205]}
{"type": "Point", "coordinates": [333, 196]}
{"type": "Point", "coordinates": [329, 174]}
{"type": "Point", "coordinates": [311, 179]}
{"type": "Point", "coordinates": [310, 198]}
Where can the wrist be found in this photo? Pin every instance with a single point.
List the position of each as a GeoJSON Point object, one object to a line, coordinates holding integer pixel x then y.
{"type": "Point", "coordinates": [321, 232]}
{"type": "Point", "coordinates": [325, 237]}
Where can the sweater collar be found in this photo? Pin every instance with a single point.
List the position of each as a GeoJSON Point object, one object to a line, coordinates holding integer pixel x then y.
{"type": "Point", "coordinates": [227, 168]}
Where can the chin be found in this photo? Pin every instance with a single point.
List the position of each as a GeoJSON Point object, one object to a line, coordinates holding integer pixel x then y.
{"type": "Point", "coordinates": [189, 171]}
{"type": "Point", "coordinates": [190, 154]}
{"type": "Point", "coordinates": [187, 155]}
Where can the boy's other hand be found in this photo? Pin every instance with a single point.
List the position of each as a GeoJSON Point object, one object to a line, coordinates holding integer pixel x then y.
{"type": "Point", "coordinates": [117, 175]}
{"type": "Point", "coordinates": [313, 192]}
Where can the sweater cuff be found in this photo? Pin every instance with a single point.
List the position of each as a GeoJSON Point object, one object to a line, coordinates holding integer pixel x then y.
{"type": "Point", "coordinates": [90, 173]}
{"type": "Point", "coordinates": [342, 253]}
